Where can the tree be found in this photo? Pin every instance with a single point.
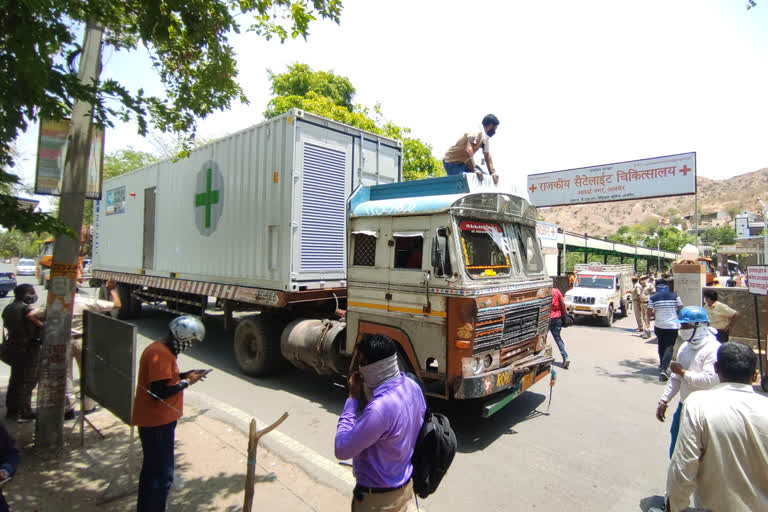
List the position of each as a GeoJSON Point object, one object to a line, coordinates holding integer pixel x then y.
{"type": "Point", "coordinates": [189, 46]}
{"type": "Point", "coordinates": [720, 235]}
{"type": "Point", "coordinates": [15, 243]}
{"type": "Point", "coordinates": [669, 239]}
{"type": "Point", "coordinates": [329, 95]}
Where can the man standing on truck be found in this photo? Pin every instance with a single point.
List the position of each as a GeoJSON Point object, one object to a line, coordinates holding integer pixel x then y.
{"type": "Point", "coordinates": [663, 307]}
{"type": "Point", "coordinates": [381, 441]}
{"type": "Point", "coordinates": [461, 156]}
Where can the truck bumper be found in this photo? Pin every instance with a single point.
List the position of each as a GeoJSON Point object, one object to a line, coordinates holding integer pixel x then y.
{"type": "Point", "coordinates": [592, 311]}
{"type": "Point", "coordinates": [513, 379]}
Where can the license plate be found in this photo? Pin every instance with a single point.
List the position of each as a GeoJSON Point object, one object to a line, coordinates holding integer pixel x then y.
{"type": "Point", "coordinates": [528, 380]}
{"type": "Point", "coordinates": [583, 308]}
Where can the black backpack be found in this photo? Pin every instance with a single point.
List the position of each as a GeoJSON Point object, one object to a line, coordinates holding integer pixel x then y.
{"type": "Point", "coordinates": [433, 453]}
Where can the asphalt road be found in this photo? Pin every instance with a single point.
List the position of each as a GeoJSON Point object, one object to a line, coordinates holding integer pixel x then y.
{"type": "Point", "coordinates": [599, 446]}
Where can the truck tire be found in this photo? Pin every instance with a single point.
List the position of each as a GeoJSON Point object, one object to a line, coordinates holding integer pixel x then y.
{"type": "Point", "coordinates": [127, 308]}
{"type": "Point", "coordinates": [257, 345]}
{"type": "Point", "coordinates": [608, 320]}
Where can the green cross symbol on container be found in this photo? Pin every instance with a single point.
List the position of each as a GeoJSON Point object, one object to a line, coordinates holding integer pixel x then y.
{"type": "Point", "coordinates": [207, 198]}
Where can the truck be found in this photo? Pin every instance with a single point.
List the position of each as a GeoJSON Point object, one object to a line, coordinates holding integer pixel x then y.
{"type": "Point", "coordinates": [45, 257]}
{"type": "Point", "coordinates": [305, 222]}
{"type": "Point", "coordinates": [600, 291]}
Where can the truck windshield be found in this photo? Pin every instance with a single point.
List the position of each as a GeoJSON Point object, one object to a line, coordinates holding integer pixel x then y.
{"type": "Point", "coordinates": [485, 249]}
{"type": "Point", "coordinates": [530, 252]}
{"type": "Point", "coordinates": [594, 281]}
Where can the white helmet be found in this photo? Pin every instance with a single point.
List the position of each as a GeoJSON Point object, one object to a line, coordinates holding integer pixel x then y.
{"type": "Point", "coordinates": [187, 328]}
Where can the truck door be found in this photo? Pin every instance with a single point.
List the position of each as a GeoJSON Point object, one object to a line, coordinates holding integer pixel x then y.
{"type": "Point", "coordinates": [148, 243]}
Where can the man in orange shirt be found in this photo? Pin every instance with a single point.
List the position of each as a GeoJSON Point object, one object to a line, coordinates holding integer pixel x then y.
{"type": "Point", "coordinates": [159, 404]}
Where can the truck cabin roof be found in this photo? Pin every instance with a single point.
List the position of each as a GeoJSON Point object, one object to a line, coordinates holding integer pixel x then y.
{"type": "Point", "coordinates": [462, 195]}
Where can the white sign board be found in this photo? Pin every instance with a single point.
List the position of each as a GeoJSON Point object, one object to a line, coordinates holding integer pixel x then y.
{"type": "Point", "coordinates": [672, 175]}
{"type": "Point", "coordinates": [735, 249]}
{"type": "Point", "coordinates": [757, 279]}
{"type": "Point", "coordinates": [546, 231]}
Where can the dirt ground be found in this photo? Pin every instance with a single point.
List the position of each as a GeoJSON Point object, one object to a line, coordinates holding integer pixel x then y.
{"type": "Point", "coordinates": [210, 471]}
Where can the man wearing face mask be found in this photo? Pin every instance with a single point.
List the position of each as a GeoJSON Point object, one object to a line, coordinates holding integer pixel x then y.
{"type": "Point", "coordinates": [381, 441]}
{"type": "Point", "coordinates": [22, 351]}
{"type": "Point", "coordinates": [461, 156]}
{"type": "Point", "coordinates": [158, 405]}
{"type": "Point", "coordinates": [695, 366]}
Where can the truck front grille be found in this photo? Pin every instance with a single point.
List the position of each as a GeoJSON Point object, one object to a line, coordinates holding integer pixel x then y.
{"type": "Point", "coordinates": [512, 324]}
{"type": "Point", "coordinates": [583, 300]}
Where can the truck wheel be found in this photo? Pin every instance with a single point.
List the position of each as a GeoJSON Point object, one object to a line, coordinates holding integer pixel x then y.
{"type": "Point", "coordinates": [257, 345]}
{"type": "Point", "coordinates": [608, 320]}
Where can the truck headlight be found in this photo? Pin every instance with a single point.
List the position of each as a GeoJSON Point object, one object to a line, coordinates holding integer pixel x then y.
{"type": "Point", "coordinates": [476, 365]}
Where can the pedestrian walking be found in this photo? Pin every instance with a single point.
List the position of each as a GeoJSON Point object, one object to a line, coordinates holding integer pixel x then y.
{"type": "Point", "coordinates": [460, 157]}
{"type": "Point", "coordinates": [158, 405]}
{"type": "Point", "coordinates": [381, 441]}
{"type": "Point", "coordinates": [722, 450]}
{"type": "Point", "coordinates": [22, 351]}
{"type": "Point", "coordinates": [556, 315]}
{"type": "Point", "coordinates": [647, 289]}
{"type": "Point", "coordinates": [663, 308]}
{"type": "Point", "coordinates": [695, 366]}
{"type": "Point", "coordinates": [721, 317]}
{"type": "Point", "coordinates": [81, 305]}
{"type": "Point", "coordinates": [9, 461]}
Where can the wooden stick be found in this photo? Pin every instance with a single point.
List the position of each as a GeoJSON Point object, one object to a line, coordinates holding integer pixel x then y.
{"type": "Point", "coordinates": [253, 444]}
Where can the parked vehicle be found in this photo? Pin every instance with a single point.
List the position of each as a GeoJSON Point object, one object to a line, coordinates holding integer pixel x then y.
{"type": "Point", "coordinates": [303, 219]}
{"type": "Point", "coordinates": [45, 258]}
{"type": "Point", "coordinates": [600, 291]}
{"type": "Point", "coordinates": [7, 283]}
{"type": "Point", "coordinates": [26, 267]}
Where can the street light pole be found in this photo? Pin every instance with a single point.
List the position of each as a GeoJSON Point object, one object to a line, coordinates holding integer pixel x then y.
{"type": "Point", "coordinates": [658, 255]}
{"type": "Point", "coordinates": [765, 231]}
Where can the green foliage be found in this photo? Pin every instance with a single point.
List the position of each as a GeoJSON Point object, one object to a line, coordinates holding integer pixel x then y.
{"type": "Point", "coordinates": [328, 95]}
{"type": "Point", "coordinates": [721, 235]}
{"type": "Point", "coordinates": [669, 239]}
{"type": "Point", "coordinates": [188, 43]}
{"type": "Point", "coordinates": [16, 243]}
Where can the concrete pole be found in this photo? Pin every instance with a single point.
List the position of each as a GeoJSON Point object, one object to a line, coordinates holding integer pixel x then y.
{"type": "Point", "coordinates": [765, 232]}
{"type": "Point", "coordinates": [56, 349]}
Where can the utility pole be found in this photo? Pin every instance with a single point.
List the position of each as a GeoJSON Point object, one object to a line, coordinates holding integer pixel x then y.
{"type": "Point", "coordinates": [56, 352]}
{"type": "Point", "coordinates": [765, 232]}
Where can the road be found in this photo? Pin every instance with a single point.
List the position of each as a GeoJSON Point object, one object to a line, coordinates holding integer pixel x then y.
{"type": "Point", "coordinates": [599, 446]}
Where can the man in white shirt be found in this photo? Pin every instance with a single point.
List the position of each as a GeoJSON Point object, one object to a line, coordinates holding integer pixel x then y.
{"type": "Point", "coordinates": [460, 157]}
{"type": "Point", "coordinates": [83, 304]}
{"type": "Point", "coordinates": [722, 452]}
{"type": "Point", "coordinates": [695, 366]}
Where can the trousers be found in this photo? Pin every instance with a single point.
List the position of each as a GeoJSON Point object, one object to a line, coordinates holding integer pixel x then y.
{"type": "Point", "coordinates": [157, 467]}
{"type": "Point", "coordinates": [666, 340]}
{"type": "Point", "coordinates": [399, 500]}
{"type": "Point", "coordinates": [77, 355]}
{"type": "Point", "coordinates": [25, 369]}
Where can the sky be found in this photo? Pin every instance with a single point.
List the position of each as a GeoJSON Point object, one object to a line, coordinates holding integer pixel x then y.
{"type": "Point", "coordinates": [573, 84]}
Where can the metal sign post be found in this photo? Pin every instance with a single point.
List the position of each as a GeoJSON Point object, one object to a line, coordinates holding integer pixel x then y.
{"type": "Point", "coordinates": [757, 279]}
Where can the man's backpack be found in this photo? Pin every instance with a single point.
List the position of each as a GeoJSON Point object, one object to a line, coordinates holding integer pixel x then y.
{"type": "Point", "coordinates": [433, 453]}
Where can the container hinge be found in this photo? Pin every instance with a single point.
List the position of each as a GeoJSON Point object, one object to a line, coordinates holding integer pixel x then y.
{"type": "Point", "coordinates": [295, 225]}
{"type": "Point", "coordinates": [388, 296]}
{"type": "Point", "coordinates": [296, 174]}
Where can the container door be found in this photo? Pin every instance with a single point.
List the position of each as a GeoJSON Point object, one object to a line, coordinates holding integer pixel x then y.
{"type": "Point", "coordinates": [323, 211]}
{"type": "Point", "coordinates": [148, 251]}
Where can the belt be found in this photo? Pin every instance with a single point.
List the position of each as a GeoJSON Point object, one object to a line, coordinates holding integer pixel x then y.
{"type": "Point", "coordinates": [359, 490]}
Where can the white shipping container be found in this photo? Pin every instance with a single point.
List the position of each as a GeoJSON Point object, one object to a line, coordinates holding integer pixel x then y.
{"type": "Point", "coordinates": [264, 207]}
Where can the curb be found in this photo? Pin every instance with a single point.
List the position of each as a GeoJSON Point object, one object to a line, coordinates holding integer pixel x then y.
{"type": "Point", "coordinates": [318, 467]}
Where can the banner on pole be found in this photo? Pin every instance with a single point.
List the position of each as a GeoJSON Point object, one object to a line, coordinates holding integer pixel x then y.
{"type": "Point", "coordinates": [51, 152]}
{"type": "Point", "coordinates": [672, 175]}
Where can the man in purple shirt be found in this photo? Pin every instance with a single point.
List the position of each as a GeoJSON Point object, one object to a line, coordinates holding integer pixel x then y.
{"type": "Point", "coordinates": [381, 441]}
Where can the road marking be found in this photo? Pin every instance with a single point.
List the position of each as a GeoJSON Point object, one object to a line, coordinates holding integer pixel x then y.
{"type": "Point", "coordinates": [298, 449]}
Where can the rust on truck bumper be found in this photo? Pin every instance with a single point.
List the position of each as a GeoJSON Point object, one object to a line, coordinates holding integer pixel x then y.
{"type": "Point", "coordinates": [516, 377]}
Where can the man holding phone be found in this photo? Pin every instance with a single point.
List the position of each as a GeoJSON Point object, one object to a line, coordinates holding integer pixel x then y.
{"type": "Point", "coordinates": [158, 405]}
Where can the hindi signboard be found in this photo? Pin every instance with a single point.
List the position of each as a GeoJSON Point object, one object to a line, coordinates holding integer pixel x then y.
{"type": "Point", "coordinates": [673, 175]}
{"type": "Point", "coordinates": [546, 231]}
{"type": "Point", "coordinates": [757, 279]}
{"type": "Point", "coordinates": [51, 152]}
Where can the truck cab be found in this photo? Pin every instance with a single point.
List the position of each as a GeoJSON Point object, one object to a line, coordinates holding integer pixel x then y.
{"type": "Point", "coordinates": [600, 291]}
{"type": "Point", "coordinates": [451, 269]}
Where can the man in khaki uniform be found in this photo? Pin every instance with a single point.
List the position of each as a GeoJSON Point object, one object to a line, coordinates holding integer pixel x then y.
{"type": "Point", "coordinates": [721, 317]}
{"type": "Point", "coordinates": [646, 290]}
{"type": "Point", "coordinates": [639, 318]}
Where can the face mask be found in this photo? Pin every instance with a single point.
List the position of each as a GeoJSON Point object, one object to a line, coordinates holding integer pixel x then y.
{"type": "Point", "coordinates": [29, 299]}
{"type": "Point", "coordinates": [686, 334]}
